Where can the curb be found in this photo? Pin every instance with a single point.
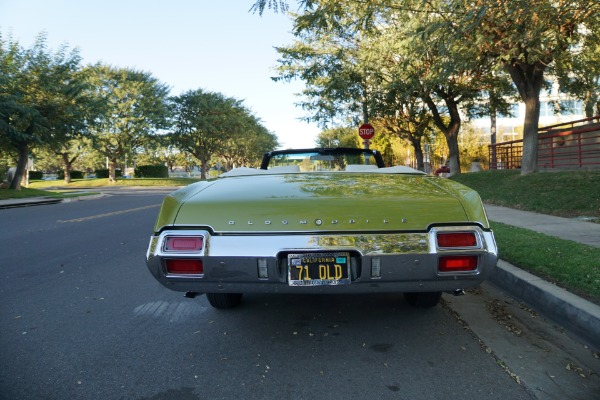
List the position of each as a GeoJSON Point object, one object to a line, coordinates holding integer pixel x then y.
{"type": "Point", "coordinates": [28, 203]}
{"type": "Point", "coordinates": [83, 198]}
{"type": "Point", "coordinates": [577, 315]}
{"type": "Point", "coordinates": [39, 201]}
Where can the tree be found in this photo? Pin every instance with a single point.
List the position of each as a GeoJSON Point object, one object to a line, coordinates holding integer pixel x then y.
{"type": "Point", "coordinates": [38, 90]}
{"type": "Point", "coordinates": [6, 159]}
{"type": "Point", "coordinates": [411, 123]}
{"type": "Point", "coordinates": [525, 38]}
{"type": "Point", "coordinates": [157, 150]}
{"type": "Point", "coordinates": [448, 75]}
{"type": "Point", "coordinates": [352, 55]}
{"type": "Point", "coordinates": [400, 110]}
{"type": "Point", "coordinates": [247, 146]}
{"type": "Point", "coordinates": [579, 75]}
{"type": "Point", "coordinates": [204, 123]}
{"type": "Point", "coordinates": [71, 123]}
{"type": "Point", "coordinates": [329, 63]}
{"type": "Point", "coordinates": [134, 107]}
{"type": "Point", "coordinates": [275, 5]}
{"type": "Point", "coordinates": [338, 137]}
{"type": "Point", "coordinates": [522, 37]}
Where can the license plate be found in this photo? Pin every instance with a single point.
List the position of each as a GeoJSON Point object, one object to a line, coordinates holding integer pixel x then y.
{"type": "Point", "coordinates": [318, 269]}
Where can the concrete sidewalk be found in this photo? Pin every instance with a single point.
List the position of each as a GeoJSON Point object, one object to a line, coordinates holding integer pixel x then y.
{"type": "Point", "coordinates": [577, 315]}
{"type": "Point", "coordinates": [563, 228]}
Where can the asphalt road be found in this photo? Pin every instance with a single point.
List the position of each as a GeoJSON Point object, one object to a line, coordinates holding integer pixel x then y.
{"type": "Point", "coordinates": [82, 318]}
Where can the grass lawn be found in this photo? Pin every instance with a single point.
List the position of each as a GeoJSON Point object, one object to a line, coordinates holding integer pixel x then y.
{"type": "Point", "coordinates": [59, 188]}
{"type": "Point", "coordinates": [102, 182]}
{"type": "Point", "coordinates": [570, 265]}
{"type": "Point", "coordinates": [573, 266]}
{"type": "Point", "coordinates": [24, 193]}
{"type": "Point", "coordinates": [565, 194]}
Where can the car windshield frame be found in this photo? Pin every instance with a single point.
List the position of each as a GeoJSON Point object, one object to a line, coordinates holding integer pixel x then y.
{"type": "Point", "coordinates": [372, 157]}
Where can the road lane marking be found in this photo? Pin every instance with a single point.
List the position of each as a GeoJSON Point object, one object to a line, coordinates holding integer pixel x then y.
{"type": "Point", "coordinates": [107, 214]}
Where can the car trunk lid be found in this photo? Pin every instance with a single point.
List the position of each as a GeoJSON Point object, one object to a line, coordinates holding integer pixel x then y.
{"type": "Point", "coordinates": [321, 202]}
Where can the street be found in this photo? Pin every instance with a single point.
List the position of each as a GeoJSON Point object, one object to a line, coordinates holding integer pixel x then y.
{"type": "Point", "coordinates": [82, 318]}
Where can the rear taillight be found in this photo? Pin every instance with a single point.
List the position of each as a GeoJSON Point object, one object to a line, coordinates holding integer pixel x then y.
{"type": "Point", "coordinates": [184, 243]}
{"type": "Point", "coordinates": [456, 239]}
{"type": "Point", "coordinates": [184, 267]}
{"type": "Point", "coordinates": [457, 263]}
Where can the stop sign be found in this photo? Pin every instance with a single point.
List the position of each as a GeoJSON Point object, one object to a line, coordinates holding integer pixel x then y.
{"type": "Point", "coordinates": [366, 131]}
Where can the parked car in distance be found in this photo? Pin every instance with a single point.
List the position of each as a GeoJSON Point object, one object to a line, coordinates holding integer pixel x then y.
{"type": "Point", "coordinates": [322, 221]}
{"type": "Point", "coordinates": [444, 169]}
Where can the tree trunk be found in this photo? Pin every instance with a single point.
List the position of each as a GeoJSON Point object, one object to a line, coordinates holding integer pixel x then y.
{"type": "Point", "coordinates": [453, 151]}
{"type": "Point", "coordinates": [589, 104]}
{"type": "Point", "coordinates": [416, 144]}
{"type": "Point", "coordinates": [203, 165]}
{"type": "Point", "coordinates": [530, 135]}
{"type": "Point", "coordinates": [66, 167]}
{"type": "Point", "coordinates": [229, 163]}
{"type": "Point", "coordinates": [450, 131]}
{"type": "Point", "coordinates": [529, 79]}
{"type": "Point", "coordinates": [112, 175]}
{"type": "Point", "coordinates": [23, 151]}
{"type": "Point", "coordinates": [494, 156]}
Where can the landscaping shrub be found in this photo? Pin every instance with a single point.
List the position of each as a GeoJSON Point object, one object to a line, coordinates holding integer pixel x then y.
{"type": "Point", "coordinates": [103, 173]}
{"type": "Point", "coordinates": [36, 175]}
{"type": "Point", "coordinates": [151, 171]}
{"type": "Point", "coordinates": [74, 174]}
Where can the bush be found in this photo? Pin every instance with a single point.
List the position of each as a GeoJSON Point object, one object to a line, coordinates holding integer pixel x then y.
{"type": "Point", "coordinates": [151, 171]}
{"type": "Point", "coordinates": [36, 175]}
{"type": "Point", "coordinates": [74, 174]}
{"type": "Point", "coordinates": [103, 173]}
{"type": "Point", "coordinates": [3, 172]}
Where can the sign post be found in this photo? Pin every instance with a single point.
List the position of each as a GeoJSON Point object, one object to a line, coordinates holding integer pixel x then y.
{"type": "Point", "coordinates": [366, 132]}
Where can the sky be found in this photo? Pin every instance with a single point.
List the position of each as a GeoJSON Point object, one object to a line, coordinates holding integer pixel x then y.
{"type": "Point", "coordinates": [214, 45]}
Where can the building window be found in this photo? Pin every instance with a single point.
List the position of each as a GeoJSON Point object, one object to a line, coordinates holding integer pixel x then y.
{"type": "Point", "coordinates": [571, 107]}
{"type": "Point", "coordinates": [546, 109]}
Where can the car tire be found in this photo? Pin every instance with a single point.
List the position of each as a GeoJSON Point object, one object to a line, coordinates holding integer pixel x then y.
{"type": "Point", "coordinates": [224, 300]}
{"type": "Point", "coordinates": [423, 299]}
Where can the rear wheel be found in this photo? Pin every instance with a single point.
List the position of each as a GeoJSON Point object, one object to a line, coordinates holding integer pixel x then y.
{"type": "Point", "coordinates": [224, 300]}
{"type": "Point", "coordinates": [423, 299]}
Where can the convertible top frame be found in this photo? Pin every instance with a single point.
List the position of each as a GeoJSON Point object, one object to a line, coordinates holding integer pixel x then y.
{"type": "Point", "coordinates": [325, 152]}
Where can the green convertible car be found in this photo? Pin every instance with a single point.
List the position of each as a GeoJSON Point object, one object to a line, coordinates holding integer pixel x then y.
{"type": "Point", "coordinates": [322, 221]}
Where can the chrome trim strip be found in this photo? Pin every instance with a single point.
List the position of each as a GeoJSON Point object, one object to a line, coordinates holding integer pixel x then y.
{"type": "Point", "coordinates": [365, 244]}
{"type": "Point", "coordinates": [460, 226]}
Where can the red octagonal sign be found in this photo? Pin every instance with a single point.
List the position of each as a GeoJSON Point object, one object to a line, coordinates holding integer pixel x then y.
{"type": "Point", "coordinates": [366, 131]}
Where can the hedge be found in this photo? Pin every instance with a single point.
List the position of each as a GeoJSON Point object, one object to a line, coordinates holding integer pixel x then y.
{"type": "Point", "coordinates": [36, 175]}
{"type": "Point", "coordinates": [103, 173]}
{"type": "Point", "coordinates": [151, 171]}
{"type": "Point", "coordinates": [74, 174]}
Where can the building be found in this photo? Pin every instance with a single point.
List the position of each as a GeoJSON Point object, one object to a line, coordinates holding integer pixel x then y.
{"type": "Point", "coordinates": [555, 108]}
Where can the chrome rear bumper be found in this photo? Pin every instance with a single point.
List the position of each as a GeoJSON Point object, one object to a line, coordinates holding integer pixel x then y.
{"type": "Point", "coordinates": [395, 262]}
